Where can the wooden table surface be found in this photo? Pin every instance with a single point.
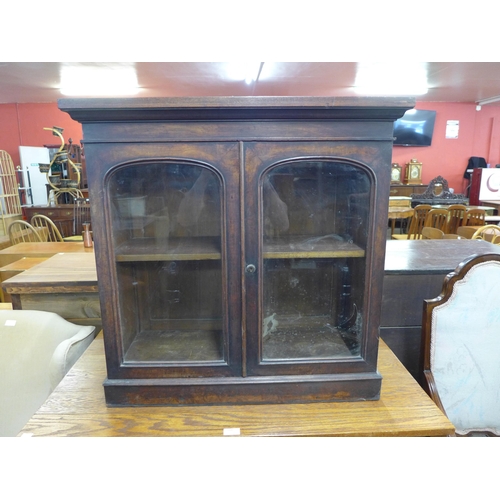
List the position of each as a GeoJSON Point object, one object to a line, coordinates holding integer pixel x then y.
{"type": "Point", "coordinates": [77, 408]}
{"type": "Point", "coordinates": [431, 256]}
{"type": "Point", "coordinates": [63, 272]}
{"type": "Point", "coordinates": [15, 268]}
{"type": "Point", "coordinates": [46, 249]}
{"type": "Point", "coordinates": [65, 284]}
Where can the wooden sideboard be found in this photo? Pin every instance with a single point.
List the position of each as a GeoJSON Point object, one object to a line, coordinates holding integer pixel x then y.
{"type": "Point", "coordinates": [407, 189]}
{"type": "Point", "coordinates": [414, 271]}
{"type": "Point", "coordinates": [62, 215]}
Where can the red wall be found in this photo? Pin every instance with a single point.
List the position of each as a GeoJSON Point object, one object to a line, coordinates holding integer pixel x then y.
{"type": "Point", "coordinates": [479, 135]}
{"type": "Point", "coordinates": [23, 124]}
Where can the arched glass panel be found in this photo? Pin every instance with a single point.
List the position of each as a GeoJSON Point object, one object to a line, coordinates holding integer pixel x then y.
{"type": "Point", "coordinates": [166, 233]}
{"type": "Point", "coordinates": [315, 228]}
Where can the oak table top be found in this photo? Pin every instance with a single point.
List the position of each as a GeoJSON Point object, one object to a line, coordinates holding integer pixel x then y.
{"type": "Point", "coordinates": [44, 249]}
{"type": "Point", "coordinates": [77, 408]}
{"type": "Point", "coordinates": [63, 272]}
{"type": "Point", "coordinates": [17, 267]}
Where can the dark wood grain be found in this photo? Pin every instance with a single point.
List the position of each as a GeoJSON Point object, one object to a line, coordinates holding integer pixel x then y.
{"type": "Point", "coordinates": [431, 256]}
{"type": "Point", "coordinates": [236, 108]}
{"type": "Point", "coordinates": [161, 148]}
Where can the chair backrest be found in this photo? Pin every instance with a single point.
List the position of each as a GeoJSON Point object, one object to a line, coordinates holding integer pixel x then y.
{"type": "Point", "coordinates": [461, 346]}
{"type": "Point", "coordinates": [486, 233]}
{"type": "Point", "coordinates": [466, 232]}
{"type": "Point", "coordinates": [437, 217]}
{"type": "Point", "coordinates": [417, 221]}
{"type": "Point", "coordinates": [456, 216]}
{"type": "Point", "coordinates": [37, 349]}
{"type": "Point", "coordinates": [21, 231]}
{"type": "Point", "coordinates": [475, 217]}
{"type": "Point", "coordinates": [81, 215]}
{"type": "Point", "coordinates": [432, 233]}
{"type": "Point", "coordinates": [452, 237]}
{"type": "Point", "coordinates": [42, 221]}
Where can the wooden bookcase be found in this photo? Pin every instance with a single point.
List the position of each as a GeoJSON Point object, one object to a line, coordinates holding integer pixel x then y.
{"type": "Point", "coordinates": [239, 245]}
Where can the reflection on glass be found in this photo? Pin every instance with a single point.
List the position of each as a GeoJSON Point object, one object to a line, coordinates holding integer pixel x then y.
{"type": "Point", "coordinates": [315, 223]}
{"type": "Point", "coordinates": [166, 226]}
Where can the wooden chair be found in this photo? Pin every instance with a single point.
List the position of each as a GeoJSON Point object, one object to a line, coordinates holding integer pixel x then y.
{"type": "Point", "coordinates": [42, 221]}
{"type": "Point", "coordinates": [461, 346]}
{"type": "Point", "coordinates": [475, 217]}
{"type": "Point", "coordinates": [486, 233]}
{"type": "Point", "coordinates": [21, 231]}
{"type": "Point", "coordinates": [81, 214]}
{"type": "Point", "coordinates": [437, 217]}
{"type": "Point", "coordinates": [416, 224]}
{"type": "Point", "coordinates": [456, 216]}
{"type": "Point", "coordinates": [432, 233]}
{"type": "Point", "coordinates": [452, 237]}
{"type": "Point", "coordinates": [466, 232]}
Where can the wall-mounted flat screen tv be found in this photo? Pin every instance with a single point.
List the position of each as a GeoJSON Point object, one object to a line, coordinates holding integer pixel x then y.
{"type": "Point", "coordinates": [414, 128]}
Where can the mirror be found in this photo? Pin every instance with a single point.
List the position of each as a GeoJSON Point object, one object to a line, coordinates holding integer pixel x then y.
{"type": "Point", "coordinates": [438, 189]}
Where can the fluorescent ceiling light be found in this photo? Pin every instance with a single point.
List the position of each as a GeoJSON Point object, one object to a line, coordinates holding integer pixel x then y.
{"type": "Point", "coordinates": [489, 100]}
{"type": "Point", "coordinates": [381, 79]}
{"type": "Point", "coordinates": [247, 71]}
{"type": "Point", "coordinates": [99, 80]}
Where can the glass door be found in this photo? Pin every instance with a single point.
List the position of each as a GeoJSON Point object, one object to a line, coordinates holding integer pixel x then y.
{"type": "Point", "coordinates": [313, 261]}
{"type": "Point", "coordinates": [311, 267]}
{"type": "Point", "coordinates": [169, 245]}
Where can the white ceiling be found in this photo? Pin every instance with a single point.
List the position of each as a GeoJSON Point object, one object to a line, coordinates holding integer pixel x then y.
{"type": "Point", "coordinates": [22, 82]}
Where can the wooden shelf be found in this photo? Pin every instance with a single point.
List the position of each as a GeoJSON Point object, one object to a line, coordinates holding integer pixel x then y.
{"type": "Point", "coordinates": [208, 248]}
{"type": "Point", "coordinates": [311, 247]}
{"type": "Point", "coordinates": [152, 249]}
{"type": "Point", "coordinates": [305, 344]}
{"type": "Point", "coordinates": [157, 346]}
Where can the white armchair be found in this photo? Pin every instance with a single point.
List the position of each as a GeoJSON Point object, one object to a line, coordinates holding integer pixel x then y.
{"type": "Point", "coordinates": [37, 349]}
{"type": "Point", "coordinates": [461, 346]}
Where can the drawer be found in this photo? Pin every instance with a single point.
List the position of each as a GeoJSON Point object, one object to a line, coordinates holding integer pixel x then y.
{"type": "Point", "coordinates": [52, 213]}
{"type": "Point", "coordinates": [402, 190]}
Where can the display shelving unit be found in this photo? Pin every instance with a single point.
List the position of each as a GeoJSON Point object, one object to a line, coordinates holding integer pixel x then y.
{"type": "Point", "coordinates": [10, 204]}
{"type": "Point", "coordinates": [239, 245]}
